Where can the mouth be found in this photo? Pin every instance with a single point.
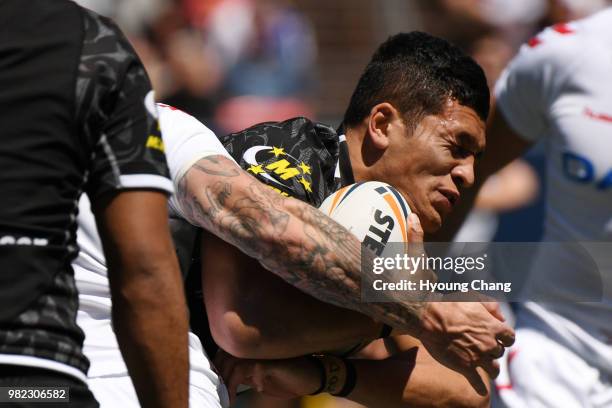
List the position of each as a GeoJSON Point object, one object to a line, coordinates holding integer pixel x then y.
{"type": "Point", "coordinates": [451, 195]}
{"type": "Point", "coordinates": [447, 200]}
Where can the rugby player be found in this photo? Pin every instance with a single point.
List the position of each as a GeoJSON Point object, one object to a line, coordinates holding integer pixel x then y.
{"type": "Point", "coordinates": [215, 194]}
{"type": "Point", "coordinates": [557, 90]}
{"type": "Point", "coordinates": [74, 117]}
{"type": "Point", "coordinates": [416, 120]}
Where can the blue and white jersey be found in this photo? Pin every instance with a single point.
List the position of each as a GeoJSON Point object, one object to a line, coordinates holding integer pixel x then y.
{"type": "Point", "coordinates": [558, 90]}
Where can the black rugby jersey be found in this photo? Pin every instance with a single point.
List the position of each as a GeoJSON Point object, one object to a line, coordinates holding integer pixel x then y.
{"type": "Point", "coordinates": [298, 158]}
{"type": "Point", "coordinates": [76, 114]}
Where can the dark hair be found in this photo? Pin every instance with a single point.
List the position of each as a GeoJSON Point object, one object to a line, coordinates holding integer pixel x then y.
{"type": "Point", "coordinates": [416, 73]}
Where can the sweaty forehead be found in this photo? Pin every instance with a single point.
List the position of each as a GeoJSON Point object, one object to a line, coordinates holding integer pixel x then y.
{"type": "Point", "coordinates": [464, 123]}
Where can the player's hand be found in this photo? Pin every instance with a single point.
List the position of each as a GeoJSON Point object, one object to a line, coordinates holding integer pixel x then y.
{"type": "Point", "coordinates": [287, 379]}
{"type": "Point", "coordinates": [463, 335]}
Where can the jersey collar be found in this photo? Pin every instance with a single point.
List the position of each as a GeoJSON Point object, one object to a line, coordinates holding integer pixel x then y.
{"type": "Point", "coordinates": [344, 171]}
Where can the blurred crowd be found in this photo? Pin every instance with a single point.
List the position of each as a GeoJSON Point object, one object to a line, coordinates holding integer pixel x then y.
{"type": "Point", "coordinates": [234, 63]}
{"type": "Point", "coordinates": [227, 62]}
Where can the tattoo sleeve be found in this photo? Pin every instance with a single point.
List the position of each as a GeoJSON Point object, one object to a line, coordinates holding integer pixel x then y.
{"type": "Point", "coordinates": [290, 238]}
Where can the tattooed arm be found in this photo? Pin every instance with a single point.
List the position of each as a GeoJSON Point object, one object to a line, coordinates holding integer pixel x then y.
{"type": "Point", "coordinates": [318, 256]}
{"type": "Point", "coordinates": [288, 237]}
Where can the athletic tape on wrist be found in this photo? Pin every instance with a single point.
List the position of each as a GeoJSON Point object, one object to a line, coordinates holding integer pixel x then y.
{"type": "Point", "coordinates": [321, 368]}
{"type": "Point", "coordinates": [350, 381]}
{"type": "Point", "coordinates": [334, 373]}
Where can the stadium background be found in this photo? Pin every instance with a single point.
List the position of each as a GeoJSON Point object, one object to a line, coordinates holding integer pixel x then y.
{"type": "Point", "coordinates": [233, 63]}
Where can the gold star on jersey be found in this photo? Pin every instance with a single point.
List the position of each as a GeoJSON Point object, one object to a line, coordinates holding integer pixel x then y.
{"type": "Point", "coordinates": [306, 184]}
{"type": "Point", "coordinates": [256, 169]}
{"type": "Point", "coordinates": [278, 151]}
{"type": "Point", "coordinates": [305, 168]}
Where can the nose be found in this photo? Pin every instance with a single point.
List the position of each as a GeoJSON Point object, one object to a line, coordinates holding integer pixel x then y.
{"type": "Point", "coordinates": [463, 173]}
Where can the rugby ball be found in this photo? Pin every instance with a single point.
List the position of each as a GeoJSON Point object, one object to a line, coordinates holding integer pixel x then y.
{"type": "Point", "coordinates": [373, 211]}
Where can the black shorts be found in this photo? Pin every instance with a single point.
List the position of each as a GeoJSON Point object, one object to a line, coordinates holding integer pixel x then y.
{"type": "Point", "coordinates": [21, 376]}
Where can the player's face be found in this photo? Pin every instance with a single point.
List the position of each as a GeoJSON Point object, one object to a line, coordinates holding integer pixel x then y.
{"type": "Point", "coordinates": [434, 164]}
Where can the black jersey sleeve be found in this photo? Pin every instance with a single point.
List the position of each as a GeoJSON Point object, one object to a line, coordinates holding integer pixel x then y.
{"type": "Point", "coordinates": [116, 111]}
{"type": "Point", "coordinates": [296, 157]}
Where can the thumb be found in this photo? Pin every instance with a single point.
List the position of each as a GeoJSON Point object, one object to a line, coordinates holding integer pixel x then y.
{"type": "Point", "coordinates": [415, 231]}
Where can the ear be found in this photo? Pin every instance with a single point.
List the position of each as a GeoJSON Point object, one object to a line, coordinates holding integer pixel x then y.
{"type": "Point", "coordinates": [380, 122]}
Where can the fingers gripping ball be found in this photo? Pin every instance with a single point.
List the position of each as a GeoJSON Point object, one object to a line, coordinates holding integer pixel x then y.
{"type": "Point", "coordinates": [373, 211]}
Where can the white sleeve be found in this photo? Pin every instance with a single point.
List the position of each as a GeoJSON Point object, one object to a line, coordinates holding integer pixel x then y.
{"type": "Point", "coordinates": [533, 80]}
{"type": "Point", "coordinates": [186, 140]}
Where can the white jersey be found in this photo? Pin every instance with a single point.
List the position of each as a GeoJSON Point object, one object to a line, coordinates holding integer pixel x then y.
{"type": "Point", "coordinates": [558, 89]}
{"type": "Point", "coordinates": [186, 140]}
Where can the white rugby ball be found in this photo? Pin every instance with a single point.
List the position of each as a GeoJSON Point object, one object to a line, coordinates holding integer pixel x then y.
{"type": "Point", "coordinates": [373, 211]}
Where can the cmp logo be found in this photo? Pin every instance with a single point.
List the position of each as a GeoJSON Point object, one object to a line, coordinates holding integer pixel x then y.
{"type": "Point", "coordinates": [279, 163]}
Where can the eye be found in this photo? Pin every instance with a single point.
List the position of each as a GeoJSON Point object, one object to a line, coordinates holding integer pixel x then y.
{"type": "Point", "coordinates": [460, 151]}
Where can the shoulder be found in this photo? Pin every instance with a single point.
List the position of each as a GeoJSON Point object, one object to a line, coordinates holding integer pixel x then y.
{"type": "Point", "coordinates": [295, 133]}
{"type": "Point", "coordinates": [107, 53]}
{"type": "Point", "coordinates": [185, 140]}
{"type": "Point", "coordinates": [98, 27]}
{"type": "Point", "coordinates": [179, 128]}
{"type": "Point", "coordinates": [553, 51]}
{"type": "Point", "coordinates": [538, 73]}
{"type": "Point", "coordinates": [552, 60]}
{"type": "Point", "coordinates": [173, 120]}
{"type": "Point", "coordinates": [297, 156]}
{"type": "Point", "coordinates": [298, 138]}
{"type": "Point", "coordinates": [559, 50]}
{"type": "Point", "coordinates": [109, 69]}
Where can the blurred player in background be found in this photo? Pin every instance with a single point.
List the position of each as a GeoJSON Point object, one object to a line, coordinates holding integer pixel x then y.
{"type": "Point", "coordinates": [78, 114]}
{"type": "Point", "coordinates": [416, 121]}
{"type": "Point", "coordinates": [557, 90]}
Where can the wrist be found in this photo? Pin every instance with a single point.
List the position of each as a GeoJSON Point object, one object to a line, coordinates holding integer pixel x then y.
{"type": "Point", "coordinates": [350, 379]}
{"type": "Point", "coordinates": [321, 372]}
{"type": "Point", "coordinates": [431, 320]}
{"type": "Point", "coordinates": [335, 373]}
{"type": "Point", "coordinates": [338, 376]}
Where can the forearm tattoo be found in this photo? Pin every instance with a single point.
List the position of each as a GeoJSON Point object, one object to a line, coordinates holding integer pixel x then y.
{"type": "Point", "coordinates": [290, 238]}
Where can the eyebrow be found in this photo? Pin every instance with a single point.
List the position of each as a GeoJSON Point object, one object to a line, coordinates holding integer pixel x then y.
{"type": "Point", "coordinates": [468, 140]}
